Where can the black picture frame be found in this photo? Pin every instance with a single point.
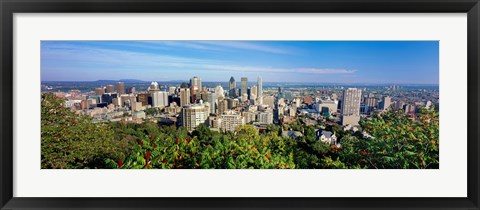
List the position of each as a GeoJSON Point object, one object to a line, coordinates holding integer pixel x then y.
{"type": "Point", "coordinates": [10, 7]}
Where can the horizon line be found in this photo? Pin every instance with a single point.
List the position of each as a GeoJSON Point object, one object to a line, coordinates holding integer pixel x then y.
{"type": "Point", "coordinates": [330, 83]}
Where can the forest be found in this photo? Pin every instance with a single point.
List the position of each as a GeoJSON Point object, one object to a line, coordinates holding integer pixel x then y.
{"type": "Point", "coordinates": [72, 141]}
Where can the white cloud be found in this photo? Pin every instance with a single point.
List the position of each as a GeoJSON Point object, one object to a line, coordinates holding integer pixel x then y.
{"type": "Point", "coordinates": [76, 56]}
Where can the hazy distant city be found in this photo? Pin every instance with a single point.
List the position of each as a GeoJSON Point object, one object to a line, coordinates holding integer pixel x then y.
{"type": "Point", "coordinates": [323, 124]}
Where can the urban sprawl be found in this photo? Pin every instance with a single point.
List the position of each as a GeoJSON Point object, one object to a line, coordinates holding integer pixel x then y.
{"type": "Point", "coordinates": [224, 108]}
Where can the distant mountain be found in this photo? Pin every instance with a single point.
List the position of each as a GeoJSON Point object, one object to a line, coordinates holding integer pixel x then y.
{"type": "Point", "coordinates": [131, 80]}
{"type": "Point", "coordinates": [121, 80]}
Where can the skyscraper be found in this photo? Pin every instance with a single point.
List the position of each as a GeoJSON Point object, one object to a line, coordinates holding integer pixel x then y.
{"type": "Point", "coordinates": [196, 84]}
{"type": "Point", "coordinates": [153, 87]}
{"type": "Point", "coordinates": [99, 91]}
{"type": "Point", "coordinates": [243, 86]}
{"type": "Point", "coordinates": [219, 91]}
{"type": "Point", "coordinates": [159, 99]}
{"type": "Point", "coordinates": [259, 91]}
{"type": "Point", "coordinates": [212, 99]}
{"type": "Point", "coordinates": [253, 92]}
{"type": "Point", "coordinates": [386, 102]}
{"type": "Point", "coordinates": [232, 86]}
{"type": "Point", "coordinates": [184, 96]}
{"type": "Point", "coordinates": [351, 106]}
{"type": "Point", "coordinates": [120, 88]}
{"type": "Point", "coordinates": [143, 98]}
{"type": "Point", "coordinates": [110, 89]}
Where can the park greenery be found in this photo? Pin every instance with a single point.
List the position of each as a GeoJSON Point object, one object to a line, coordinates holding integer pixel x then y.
{"type": "Point", "coordinates": [71, 141]}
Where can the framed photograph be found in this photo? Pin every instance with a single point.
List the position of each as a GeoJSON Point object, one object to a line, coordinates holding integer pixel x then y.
{"type": "Point", "coordinates": [239, 104]}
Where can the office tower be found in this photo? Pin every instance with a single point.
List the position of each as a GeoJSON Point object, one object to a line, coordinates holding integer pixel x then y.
{"type": "Point", "coordinates": [386, 103]}
{"type": "Point", "coordinates": [230, 121]}
{"type": "Point", "coordinates": [243, 86]}
{"type": "Point", "coordinates": [351, 106]}
{"type": "Point", "coordinates": [110, 89]}
{"type": "Point", "coordinates": [232, 88]}
{"type": "Point", "coordinates": [184, 96]}
{"type": "Point", "coordinates": [172, 90]}
{"type": "Point", "coordinates": [259, 91]}
{"type": "Point", "coordinates": [253, 92]}
{"type": "Point", "coordinates": [212, 99]}
{"type": "Point", "coordinates": [222, 106]}
{"type": "Point", "coordinates": [193, 115]}
{"type": "Point", "coordinates": [196, 84]}
{"type": "Point", "coordinates": [232, 103]}
{"type": "Point", "coordinates": [143, 98]}
{"type": "Point", "coordinates": [107, 98]}
{"type": "Point", "coordinates": [130, 90]}
{"type": "Point", "coordinates": [193, 96]}
{"type": "Point", "coordinates": [153, 87]}
{"type": "Point", "coordinates": [99, 91]}
{"type": "Point", "coordinates": [120, 88]}
{"type": "Point", "coordinates": [219, 91]}
{"type": "Point", "coordinates": [159, 99]}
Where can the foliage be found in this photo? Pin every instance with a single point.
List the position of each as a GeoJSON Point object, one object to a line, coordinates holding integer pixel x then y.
{"type": "Point", "coordinates": [73, 141]}
{"type": "Point", "coordinates": [69, 140]}
{"type": "Point", "coordinates": [398, 142]}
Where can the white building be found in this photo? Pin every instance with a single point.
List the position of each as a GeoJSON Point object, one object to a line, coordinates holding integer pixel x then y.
{"type": "Point", "coordinates": [159, 99]}
{"type": "Point", "coordinates": [230, 121]}
{"type": "Point", "coordinates": [193, 115]}
{"type": "Point", "coordinates": [265, 117]}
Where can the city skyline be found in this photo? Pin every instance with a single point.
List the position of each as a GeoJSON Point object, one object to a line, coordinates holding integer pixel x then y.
{"type": "Point", "coordinates": [355, 62]}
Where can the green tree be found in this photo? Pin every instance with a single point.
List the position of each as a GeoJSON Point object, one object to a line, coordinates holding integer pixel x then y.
{"type": "Point", "coordinates": [69, 140]}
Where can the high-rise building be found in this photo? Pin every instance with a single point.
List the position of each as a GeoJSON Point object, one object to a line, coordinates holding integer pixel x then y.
{"type": "Point", "coordinates": [222, 106]}
{"type": "Point", "coordinates": [212, 99]}
{"type": "Point", "coordinates": [120, 88]}
{"type": "Point", "coordinates": [159, 99]}
{"type": "Point", "coordinates": [143, 98]}
{"type": "Point", "coordinates": [153, 87]}
{"type": "Point", "coordinates": [184, 96]}
{"type": "Point", "coordinates": [230, 121]}
{"type": "Point", "coordinates": [386, 103]}
{"type": "Point", "coordinates": [219, 91]}
{"type": "Point", "coordinates": [172, 90]}
{"type": "Point", "coordinates": [265, 117]}
{"type": "Point", "coordinates": [259, 91]}
{"type": "Point", "coordinates": [253, 92]}
{"type": "Point", "coordinates": [243, 86]}
{"type": "Point", "coordinates": [193, 115]}
{"type": "Point", "coordinates": [232, 86]}
{"type": "Point", "coordinates": [110, 89]}
{"type": "Point", "coordinates": [99, 91]}
{"type": "Point", "coordinates": [351, 106]}
{"type": "Point", "coordinates": [130, 90]}
{"type": "Point", "coordinates": [196, 84]}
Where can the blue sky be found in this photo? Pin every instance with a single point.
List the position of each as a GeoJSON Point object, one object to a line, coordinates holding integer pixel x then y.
{"type": "Point", "coordinates": [382, 62]}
